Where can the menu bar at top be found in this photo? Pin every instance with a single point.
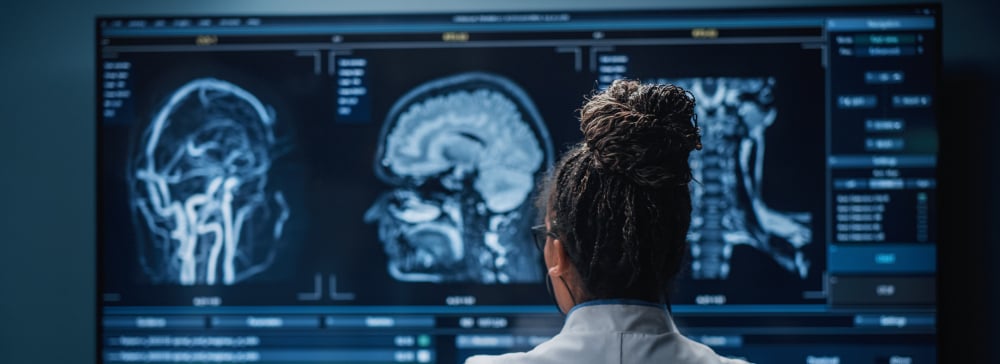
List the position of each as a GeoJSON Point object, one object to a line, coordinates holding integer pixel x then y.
{"type": "Point", "coordinates": [251, 25]}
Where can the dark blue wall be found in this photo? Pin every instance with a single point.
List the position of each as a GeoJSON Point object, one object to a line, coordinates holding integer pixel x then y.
{"type": "Point", "coordinates": [969, 175]}
{"type": "Point", "coordinates": [47, 244]}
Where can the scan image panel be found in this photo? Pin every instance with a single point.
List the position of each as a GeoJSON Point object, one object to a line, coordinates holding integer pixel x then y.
{"type": "Point", "coordinates": [728, 204]}
{"type": "Point", "coordinates": [462, 154]}
{"type": "Point", "coordinates": [198, 180]}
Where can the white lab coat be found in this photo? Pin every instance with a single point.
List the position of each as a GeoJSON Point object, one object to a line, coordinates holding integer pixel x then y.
{"type": "Point", "coordinates": [615, 331]}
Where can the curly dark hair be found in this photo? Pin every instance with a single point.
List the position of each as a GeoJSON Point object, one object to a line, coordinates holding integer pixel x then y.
{"type": "Point", "coordinates": [619, 200]}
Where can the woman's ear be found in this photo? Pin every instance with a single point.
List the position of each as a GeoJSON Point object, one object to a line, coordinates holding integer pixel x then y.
{"type": "Point", "coordinates": [562, 270]}
{"type": "Point", "coordinates": [559, 260]}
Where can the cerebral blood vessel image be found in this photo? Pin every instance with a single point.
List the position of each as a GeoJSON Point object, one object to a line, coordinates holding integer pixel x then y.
{"type": "Point", "coordinates": [462, 155]}
{"type": "Point", "coordinates": [728, 204]}
{"type": "Point", "coordinates": [198, 177]}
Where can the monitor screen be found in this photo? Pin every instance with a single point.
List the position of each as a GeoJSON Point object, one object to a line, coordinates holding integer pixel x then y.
{"type": "Point", "coordinates": [300, 189]}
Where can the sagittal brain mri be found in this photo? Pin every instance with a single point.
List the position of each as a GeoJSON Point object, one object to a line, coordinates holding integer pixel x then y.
{"type": "Point", "coordinates": [462, 155]}
{"type": "Point", "coordinates": [198, 179]}
{"type": "Point", "coordinates": [728, 204]}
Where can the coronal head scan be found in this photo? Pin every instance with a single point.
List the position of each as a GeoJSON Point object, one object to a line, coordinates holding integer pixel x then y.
{"type": "Point", "coordinates": [462, 155]}
{"type": "Point", "coordinates": [198, 179]}
{"type": "Point", "coordinates": [728, 205]}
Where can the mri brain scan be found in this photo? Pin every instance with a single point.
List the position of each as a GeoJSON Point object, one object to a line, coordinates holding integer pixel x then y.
{"type": "Point", "coordinates": [198, 179]}
{"type": "Point", "coordinates": [728, 205]}
{"type": "Point", "coordinates": [462, 155]}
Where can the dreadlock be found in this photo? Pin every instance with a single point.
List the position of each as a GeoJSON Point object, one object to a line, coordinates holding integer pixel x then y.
{"type": "Point", "coordinates": [620, 200]}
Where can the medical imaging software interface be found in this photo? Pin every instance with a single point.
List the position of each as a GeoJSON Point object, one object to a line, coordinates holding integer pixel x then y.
{"type": "Point", "coordinates": [360, 189]}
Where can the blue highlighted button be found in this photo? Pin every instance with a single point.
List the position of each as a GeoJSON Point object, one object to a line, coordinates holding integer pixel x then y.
{"type": "Point", "coordinates": [894, 258]}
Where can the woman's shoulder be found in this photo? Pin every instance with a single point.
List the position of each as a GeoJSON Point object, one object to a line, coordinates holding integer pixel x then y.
{"type": "Point", "coordinates": [706, 353]}
{"type": "Point", "coordinates": [512, 358]}
{"type": "Point", "coordinates": [619, 347]}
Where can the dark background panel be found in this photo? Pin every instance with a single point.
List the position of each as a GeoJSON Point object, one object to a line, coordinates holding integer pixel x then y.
{"type": "Point", "coordinates": [326, 171]}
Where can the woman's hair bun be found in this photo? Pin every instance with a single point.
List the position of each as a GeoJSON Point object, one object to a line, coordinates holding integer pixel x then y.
{"type": "Point", "coordinates": [643, 131]}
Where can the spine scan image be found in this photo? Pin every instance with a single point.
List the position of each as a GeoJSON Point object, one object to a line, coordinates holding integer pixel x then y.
{"type": "Point", "coordinates": [198, 181]}
{"type": "Point", "coordinates": [728, 204]}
